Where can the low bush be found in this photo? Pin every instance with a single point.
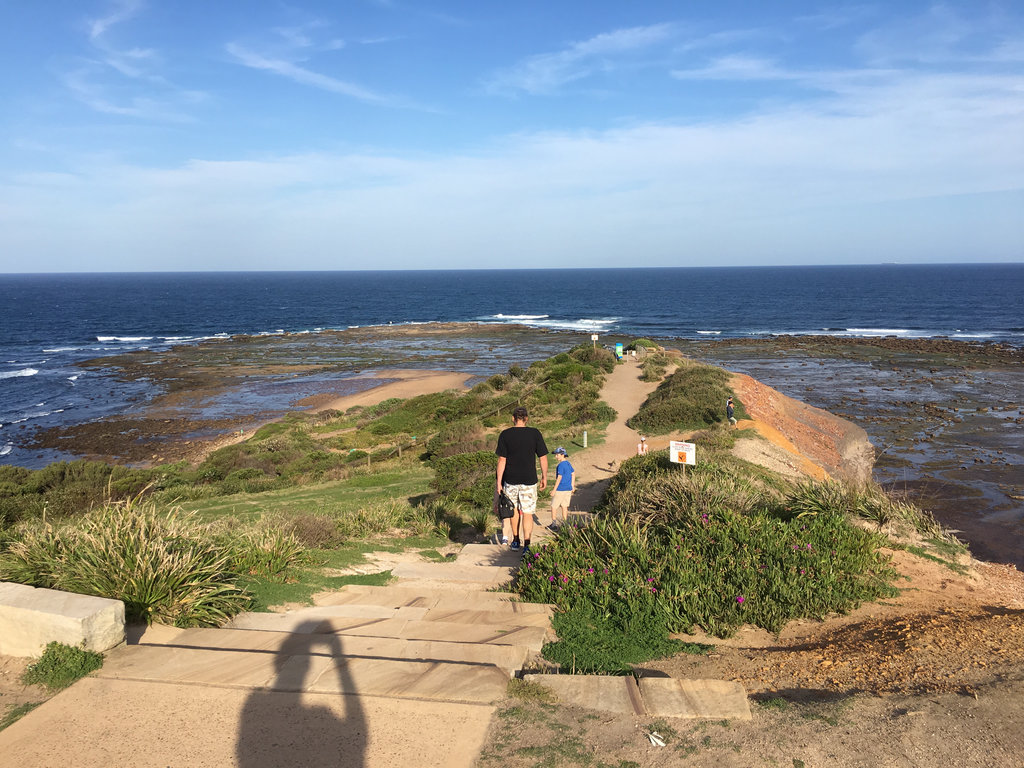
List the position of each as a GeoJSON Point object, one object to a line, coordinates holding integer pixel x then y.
{"type": "Point", "coordinates": [467, 477]}
{"type": "Point", "coordinates": [691, 398]}
{"type": "Point", "coordinates": [60, 666]}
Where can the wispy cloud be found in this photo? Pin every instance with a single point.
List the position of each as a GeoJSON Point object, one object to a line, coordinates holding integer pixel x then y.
{"type": "Point", "coordinates": [288, 53]}
{"type": "Point", "coordinates": [548, 72]}
{"type": "Point", "coordinates": [102, 81]}
{"type": "Point", "coordinates": [305, 76]}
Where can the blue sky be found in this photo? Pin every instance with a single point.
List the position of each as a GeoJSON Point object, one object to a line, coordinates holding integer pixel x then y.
{"type": "Point", "coordinates": [142, 135]}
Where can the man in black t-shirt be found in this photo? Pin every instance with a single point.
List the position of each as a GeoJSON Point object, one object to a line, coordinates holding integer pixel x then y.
{"type": "Point", "coordinates": [519, 447]}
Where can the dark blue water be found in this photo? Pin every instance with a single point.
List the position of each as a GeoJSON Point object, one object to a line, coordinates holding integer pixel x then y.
{"type": "Point", "coordinates": [49, 322]}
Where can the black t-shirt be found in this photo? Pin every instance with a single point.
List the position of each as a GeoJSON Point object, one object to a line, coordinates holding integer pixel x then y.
{"type": "Point", "coordinates": [521, 446]}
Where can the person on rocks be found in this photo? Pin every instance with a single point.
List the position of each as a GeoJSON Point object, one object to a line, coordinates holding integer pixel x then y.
{"type": "Point", "coordinates": [518, 449]}
{"type": "Point", "coordinates": [729, 412]}
{"type": "Point", "coordinates": [565, 484]}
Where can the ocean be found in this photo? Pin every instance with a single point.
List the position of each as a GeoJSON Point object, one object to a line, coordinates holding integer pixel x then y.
{"type": "Point", "coordinates": [51, 322]}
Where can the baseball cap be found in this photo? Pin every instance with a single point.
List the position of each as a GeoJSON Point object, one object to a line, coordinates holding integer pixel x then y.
{"type": "Point", "coordinates": [561, 450]}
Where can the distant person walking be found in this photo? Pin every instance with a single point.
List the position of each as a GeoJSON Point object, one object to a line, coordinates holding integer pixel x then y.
{"type": "Point", "coordinates": [565, 484]}
{"type": "Point", "coordinates": [729, 412]}
{"type": "Point", "coordinates": [641, 447]}
{"type": "Point", "coordinates": [518, 449]}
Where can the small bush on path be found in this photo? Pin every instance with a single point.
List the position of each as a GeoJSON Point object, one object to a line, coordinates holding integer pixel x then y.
{"type": "Point", "coordinates": [61, 665]}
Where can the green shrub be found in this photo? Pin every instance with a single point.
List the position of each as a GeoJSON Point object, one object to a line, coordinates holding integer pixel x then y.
{"type": "Point", "coordinates": [164, 568]}
{"type": "Point", "coordinates": [60, 666]}
{"type": "Point", "coordinates": [691, 398]}
{"type": "Point", "coordinates": [641, 342]}
{"type": "Point", "coordinates": [467, 477]}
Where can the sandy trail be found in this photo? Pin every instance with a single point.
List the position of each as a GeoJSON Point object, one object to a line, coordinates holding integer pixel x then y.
{"type": "Point", "coordinates": [596, 466]}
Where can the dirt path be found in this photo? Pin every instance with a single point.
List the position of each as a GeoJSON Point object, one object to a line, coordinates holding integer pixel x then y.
{"type": "Point", "coordinates": [596, 466]}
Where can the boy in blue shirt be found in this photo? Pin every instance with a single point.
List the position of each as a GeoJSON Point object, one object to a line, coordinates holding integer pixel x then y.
{"type": "Point", "coordinates": [565, 484]}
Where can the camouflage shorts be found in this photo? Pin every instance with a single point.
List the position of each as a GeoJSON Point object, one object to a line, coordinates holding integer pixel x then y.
{"type": "Point", "coordinates": [524, 497]}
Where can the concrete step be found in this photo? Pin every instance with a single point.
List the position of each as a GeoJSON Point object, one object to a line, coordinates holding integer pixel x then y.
{"type": "Point", "coordinates": [412, 596]}
{"type": "Point", "coordinates": [301, 623]}
{"type": "Point", "coordinates": [490, 555]}
{"type": "Point", "coordinates": [331, 673]}
{"type": "Point", "coordinates": [461, 612]}
{"type": "Point", "coordinates": [448, 573]}
{"type": "Point", "coordinates": [508, 658]}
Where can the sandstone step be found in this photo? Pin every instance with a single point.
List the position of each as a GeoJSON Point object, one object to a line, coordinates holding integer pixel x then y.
{"type": "Point", "coordinates": [654, 697]}
{"type": "Point", "coordinates": [459, 612]}
{"type": "Point", "coordinates": [488, 554]}
{"type": "Point", "coordinates": [487, 575]}
{"type": "Point", "coordinates": [423, 597]}
{"type": "Point", "coordinates": [508, 658]}
{"type": "Point", "coordinates": [301, 622]}
{"type": "Point", "coordinates": [332, 673]}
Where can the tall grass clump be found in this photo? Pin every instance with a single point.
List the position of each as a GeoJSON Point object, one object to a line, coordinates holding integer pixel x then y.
{"type": "Point", "coordinates": [163, 567]}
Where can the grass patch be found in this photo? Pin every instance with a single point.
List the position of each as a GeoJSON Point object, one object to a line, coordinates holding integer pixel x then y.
{"type": "Point", "coordinates": [955, 567]}
{"type": "Point", "coordinates": [529, 691]}
{"type": "Point", "coordinates": [303, 586]}
{"type": "Point", "coordinates": [60, 666]}
{"type": "Point", "coordinates": [14, 714]}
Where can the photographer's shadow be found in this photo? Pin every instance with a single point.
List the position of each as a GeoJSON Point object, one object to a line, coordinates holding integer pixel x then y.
{"type": "Point", "coordinates": [283, 726]}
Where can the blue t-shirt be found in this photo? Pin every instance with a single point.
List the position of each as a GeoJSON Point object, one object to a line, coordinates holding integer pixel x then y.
{"type": "Point", "coordinates": [564, 472]}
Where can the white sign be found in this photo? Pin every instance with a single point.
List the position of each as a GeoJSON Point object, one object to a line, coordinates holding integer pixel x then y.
{"type": "Point", "coordinates": [593, 337]}
{"type": "Point", "coordinates": [682, 453]}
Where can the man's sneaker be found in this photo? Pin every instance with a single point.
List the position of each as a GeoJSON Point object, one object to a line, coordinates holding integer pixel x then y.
{"type": "Point", "coordinates": [504, 541]}
{"type": "Point", "coordinates": [514, 545]}
{"type": "Point", "coordinates": [527, 551]}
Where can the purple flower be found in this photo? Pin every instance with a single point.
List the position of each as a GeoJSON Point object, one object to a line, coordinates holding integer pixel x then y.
{"type": "Point", "coordinates": [739, 598]}
{"type": "Point", "coordinates": [590, 570]}
{"type": "Point", "coordinates": [809, 546]}
{"type": "Point", "coordinates": [802, 571]}
{"type": "Point", "coordinates": [606, 571]}
{"type": "Point", "coordinates": [551, 578]}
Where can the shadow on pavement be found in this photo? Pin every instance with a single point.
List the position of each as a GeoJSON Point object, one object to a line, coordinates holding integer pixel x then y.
{"type": "Point", "coordinates": [286, 727]}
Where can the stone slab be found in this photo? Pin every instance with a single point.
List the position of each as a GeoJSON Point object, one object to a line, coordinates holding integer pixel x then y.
{"type": "Point", "coordinates": [100, 723]}
{"type": "Point", "coordinates": [505, 634]}
{"type": "Point", "coordinates": [488, 554]}
{"type": "Point", "coordinates": [427, 598]}
{"type": "Point", "coordinates": [606, 693]}
{"type": "Point", "coordinates": [453, 572]}
{"type": "Point", "coordinates": [431, 680]}
{"type": "Point", "coordinates": [710, 699]}
{"type": "Point", "coordinates": [508, 658]}
{"type": "Point", "coordinates": [401, 678]}
{"type": "Point", "coordinates": [31, 617]}
{"type": "Point", "coordinates": [493, 615]}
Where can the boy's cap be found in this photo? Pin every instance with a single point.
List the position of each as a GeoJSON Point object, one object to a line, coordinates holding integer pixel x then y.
{"type": "Point", "coordinates": [561, 450]}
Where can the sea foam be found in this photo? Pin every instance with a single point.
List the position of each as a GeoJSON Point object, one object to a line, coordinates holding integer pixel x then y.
{"type": "Point", "coordinates": [19, 373]}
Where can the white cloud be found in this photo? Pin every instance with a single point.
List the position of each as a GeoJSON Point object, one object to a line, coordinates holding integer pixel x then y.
{"type": "Point", "coordinates": [305, 76]}
{"type": "Point", "coordinates": [790, 181]}
{"type": "Point", "coordinates": [126, 81]}
{"type": "Point", "coordinates": [546, 73]}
